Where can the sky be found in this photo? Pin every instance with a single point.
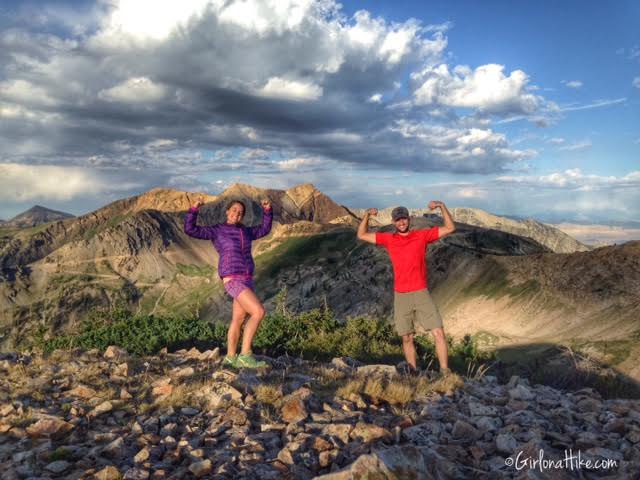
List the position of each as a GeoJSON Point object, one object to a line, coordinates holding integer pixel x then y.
{"type": "Point", "coordinates": [528, 109]}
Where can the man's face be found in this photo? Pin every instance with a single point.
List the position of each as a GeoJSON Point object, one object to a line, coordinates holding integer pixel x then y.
{"type": "Point", "coordinates": [402, 225]}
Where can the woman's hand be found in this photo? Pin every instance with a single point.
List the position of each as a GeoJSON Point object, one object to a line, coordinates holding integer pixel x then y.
{"type": "Point", "coordinates": [198, 203]}
{"type": "Point", "coordinates": [266, 204]}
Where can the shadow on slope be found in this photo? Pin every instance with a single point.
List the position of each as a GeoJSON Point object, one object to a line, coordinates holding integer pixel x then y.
{"type": "Point", "coordinates": [562, 367]}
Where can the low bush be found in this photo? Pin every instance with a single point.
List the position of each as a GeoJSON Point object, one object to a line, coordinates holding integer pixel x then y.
{"type": "Point", "coordinates": [314, 335]}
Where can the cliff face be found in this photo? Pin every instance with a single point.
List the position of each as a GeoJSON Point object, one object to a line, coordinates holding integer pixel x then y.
{"type": "Point", "coordinates": [547, 235]}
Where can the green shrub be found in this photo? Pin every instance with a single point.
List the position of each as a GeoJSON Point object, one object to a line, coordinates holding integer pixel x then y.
{"type": "Point", "coordinates": [313, 334]}
{"type": "Point", "coordinates": [140, 334]}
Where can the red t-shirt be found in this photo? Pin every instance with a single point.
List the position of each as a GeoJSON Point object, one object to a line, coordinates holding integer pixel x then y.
{"type": "Point", "coordinates": [407, 253]}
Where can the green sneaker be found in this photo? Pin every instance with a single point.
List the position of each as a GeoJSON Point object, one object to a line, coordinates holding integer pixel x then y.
{"type": "Point", "coordinates": [230, 361]}
{"type": "Point", "coordinates": [247, 360]}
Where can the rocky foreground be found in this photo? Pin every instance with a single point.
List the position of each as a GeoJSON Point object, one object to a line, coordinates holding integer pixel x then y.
{"type": "Point", "coordinates": [108, 415]}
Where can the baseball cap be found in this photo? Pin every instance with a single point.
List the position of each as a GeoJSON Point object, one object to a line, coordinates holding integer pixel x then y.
{"type": "Point", "coordinates": [398, 213]}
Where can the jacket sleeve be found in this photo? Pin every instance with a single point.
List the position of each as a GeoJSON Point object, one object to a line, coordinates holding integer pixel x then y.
{"type": "Point", "coordinates": [260, 231]}
{"type": "Point", "coordinates": [193, 230]}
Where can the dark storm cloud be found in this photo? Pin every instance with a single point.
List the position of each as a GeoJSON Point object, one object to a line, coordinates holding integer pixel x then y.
{"type": "Point", "coordinates": [319, 85]}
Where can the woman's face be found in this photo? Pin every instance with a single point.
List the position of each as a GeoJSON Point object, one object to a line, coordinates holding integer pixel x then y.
{"type": "Point", "coordinates": [235, 213]}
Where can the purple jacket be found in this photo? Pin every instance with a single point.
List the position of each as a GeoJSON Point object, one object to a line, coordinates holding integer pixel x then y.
{"type": "Point", "coordinates": [232, 242]}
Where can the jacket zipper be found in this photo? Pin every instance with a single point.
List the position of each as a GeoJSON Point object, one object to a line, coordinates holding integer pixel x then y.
{"type": "Point", "coordinates": [242, 248]}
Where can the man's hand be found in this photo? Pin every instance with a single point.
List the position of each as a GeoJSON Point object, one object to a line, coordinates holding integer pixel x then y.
{"type": "Point", "coordinates": [449, 227]}
{"type": "Point", "coordinates": [198, 203]}
{"type": "Point", "coordinates": [363, 234]}
{"type": "Point", "coordinates": [266, 204]}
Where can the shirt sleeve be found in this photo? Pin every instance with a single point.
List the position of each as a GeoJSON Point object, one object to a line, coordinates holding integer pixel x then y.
{"type": "Point", "coordinates": [193, 230]}
{"type": "Point", "coordinates": [263, 229]}
{"type": "Point", "coordinates": [430, 235]}
{"type": "Point", "coordinates": [383, 238]}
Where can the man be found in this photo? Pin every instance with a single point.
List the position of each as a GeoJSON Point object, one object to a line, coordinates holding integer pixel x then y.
{"type": "Point", "coordinates": [414, 310]}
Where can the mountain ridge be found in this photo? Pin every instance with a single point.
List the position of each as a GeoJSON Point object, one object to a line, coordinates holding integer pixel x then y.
{"type": "Point", "coordinates": [35, 216]}
{"type": "Point", "coordinates": [134, 251]}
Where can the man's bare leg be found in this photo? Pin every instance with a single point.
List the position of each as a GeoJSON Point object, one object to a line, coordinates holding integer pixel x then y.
{"type": "Point", "coordinates": [409, 349]}
{"type": "Point", "coordinates": [442, 351]}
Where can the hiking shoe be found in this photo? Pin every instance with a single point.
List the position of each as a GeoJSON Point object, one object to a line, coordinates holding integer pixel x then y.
{"type": "Point", "coordinates": [247, 360]}
{"type": "Point", "coordinates": [230, 361]}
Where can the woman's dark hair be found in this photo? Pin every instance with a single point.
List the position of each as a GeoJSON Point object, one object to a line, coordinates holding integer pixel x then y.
{"type": "Point", "coordinates": [233, 202]}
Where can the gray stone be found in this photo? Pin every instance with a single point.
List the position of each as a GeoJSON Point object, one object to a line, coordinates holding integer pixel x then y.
{"type": "Point", "coordinates": [520, 392]}
{"type": "Point", "coordinates": [199, 469]}
{"type": "Point", "coordinates": [58, 466]}
{"type": "Point", "coordinates": [464, 430]}
{"type": "Point", "coordinates": [506, 443]}
{"type": "Point", "coordinates": [136, 473]}
{"type": "Point", "coordinates": [479, 409]}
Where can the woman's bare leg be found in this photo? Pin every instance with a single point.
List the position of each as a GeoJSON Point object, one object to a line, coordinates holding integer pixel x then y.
{"type": "Point", "coordinates": [238, 315]}
{"type": "Point", "coordinates": [250, 303]}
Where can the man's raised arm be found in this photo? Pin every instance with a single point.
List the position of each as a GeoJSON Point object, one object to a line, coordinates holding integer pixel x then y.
{"type": "Point", "coordinates": [364, 226]}
{"type": "Point", "coordinates": [449, 226]}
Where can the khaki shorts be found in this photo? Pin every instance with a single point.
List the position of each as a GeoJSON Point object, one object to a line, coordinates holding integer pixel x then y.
{"type": "Point", "coordinates": [415, 312]}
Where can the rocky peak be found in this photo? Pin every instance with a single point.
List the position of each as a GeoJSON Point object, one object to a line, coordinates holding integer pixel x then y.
{"type": "Point", "coordinates": [36, 215]}
{"type": "Point", "coordinates": [168, 200]}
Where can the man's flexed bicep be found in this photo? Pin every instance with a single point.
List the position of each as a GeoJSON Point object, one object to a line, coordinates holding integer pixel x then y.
{"type": "Point", "coordinates": [363, 233]}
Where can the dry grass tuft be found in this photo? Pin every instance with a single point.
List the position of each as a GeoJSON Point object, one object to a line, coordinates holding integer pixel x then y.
{"type": "Point", "coordinates": [399, 392]}
{"type": "Point", "coordinates": [269, 394]}
{"type": "Point", "coordinates": [375, 387]}
{"type": "Point", "coordinates": [447, 384]}
{"type": "Point", "coordinates": [327, 375]}
{"type": "Point", "coordinates": [352, 386]}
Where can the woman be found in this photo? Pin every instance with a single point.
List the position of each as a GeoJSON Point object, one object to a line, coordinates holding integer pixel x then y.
{"type": "Point", "coordinates": [232, 240]}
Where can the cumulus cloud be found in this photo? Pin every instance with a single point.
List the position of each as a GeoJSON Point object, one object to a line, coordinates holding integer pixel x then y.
{"type": "Point", "coordinates": [134, 90]}
{"type": "Point", "coordinates": [27, 182]}
{"type": "Point", "coordinates": [636, 82]}
{"type": "Point", "coordinates": [574, 179]}
{"type": "Point", "coordinates": [291, 89]}
{"type": "Point", "coordinates": [463, 150]}
{"type": "Point", "coordinates": [26, 93]}
{"type": "Point", "coordinates": [486, 89]}
{"type": "Point", "coordinates": [470, 192]}
{"type": "Point", "coordinates": [299, 163]}
{"type": "Point", "coordinates": [298, 77]}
